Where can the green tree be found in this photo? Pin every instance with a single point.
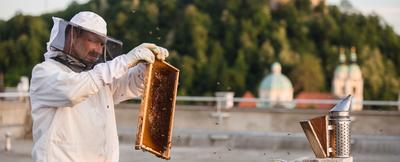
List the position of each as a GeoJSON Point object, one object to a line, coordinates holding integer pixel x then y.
{"type": "Point", "coordinates": [228, 45]}
{"type": "Point", "coordinates": [380, 81]}
{"type": "Point", "coordinates": [307, 75]}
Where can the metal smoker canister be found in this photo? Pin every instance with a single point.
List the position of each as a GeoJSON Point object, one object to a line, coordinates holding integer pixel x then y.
{"type": "Point", "coordinates": [339, 119]}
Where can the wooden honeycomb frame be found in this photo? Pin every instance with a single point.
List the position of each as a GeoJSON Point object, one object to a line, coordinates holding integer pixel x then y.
{"type": "Point", "coordinates": [154, 133]}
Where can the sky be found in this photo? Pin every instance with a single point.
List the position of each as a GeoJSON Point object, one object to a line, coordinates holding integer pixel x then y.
{"type": "Point", "coordinates": [389, 10]}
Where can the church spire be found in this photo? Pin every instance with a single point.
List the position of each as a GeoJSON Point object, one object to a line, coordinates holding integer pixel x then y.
{"type": "Point", "coordinates": [342, 57]}
{"type": "Point", "coordinates": [353, 55]}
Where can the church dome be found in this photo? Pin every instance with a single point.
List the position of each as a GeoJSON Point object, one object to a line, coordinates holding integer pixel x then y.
{"type": "Point", "coordinates": [276, 88]}
{"type": "Point", "coordinates": [276, 80]}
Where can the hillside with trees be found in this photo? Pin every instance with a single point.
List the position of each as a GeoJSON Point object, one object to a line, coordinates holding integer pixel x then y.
{"type": "Point", "coordinates": [228, 45]}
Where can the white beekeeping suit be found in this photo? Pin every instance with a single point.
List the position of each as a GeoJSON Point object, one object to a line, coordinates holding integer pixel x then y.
{"type": "Point", "coordinates": [73, 112]}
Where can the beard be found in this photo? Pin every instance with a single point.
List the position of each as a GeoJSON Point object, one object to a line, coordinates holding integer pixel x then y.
{"type": "Point", "coordinates": [93, 56]}
{"type": "Point", "coordinates": [90, 59]}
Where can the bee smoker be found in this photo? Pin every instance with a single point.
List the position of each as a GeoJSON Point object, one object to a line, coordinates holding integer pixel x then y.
{"type": "Point", "coordinates": [339, 121]}
{"type": "Point", "coordinates": [329, 135]}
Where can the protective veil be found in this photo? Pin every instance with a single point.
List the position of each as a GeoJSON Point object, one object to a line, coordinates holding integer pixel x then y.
{"type": "Point", "coordinates": [87, 22]}
{"type": "Point", "coordinates": [73, 113]}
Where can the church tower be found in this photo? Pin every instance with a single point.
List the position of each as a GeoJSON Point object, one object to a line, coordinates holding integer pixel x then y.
{"type": "Point", "coordinates": [340, 76]}
{"type": "Point", "coordinates": [348, 80]}
{"type": "Point", "coordinates": [355, 82]}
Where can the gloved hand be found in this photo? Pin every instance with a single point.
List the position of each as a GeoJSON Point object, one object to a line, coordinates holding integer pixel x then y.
{"type": "Point", "coordinates": [146, 52]}
{"type": "Point", "coordinates": [160, 52]}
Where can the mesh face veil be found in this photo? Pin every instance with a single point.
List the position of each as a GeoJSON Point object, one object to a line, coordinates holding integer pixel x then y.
{"type": "Point", "coordinates": [59, 41]}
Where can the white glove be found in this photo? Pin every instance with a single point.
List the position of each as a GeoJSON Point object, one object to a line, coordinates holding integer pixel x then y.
{"type": "Point", "coordinates": [146, 52]}
{"type": "Point", "coordinates": [160, 52]}
{"type": "Point", "coordinates": [141, 52]}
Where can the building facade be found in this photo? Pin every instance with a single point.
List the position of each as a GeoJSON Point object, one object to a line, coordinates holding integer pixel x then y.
{"type": "Point", "coordinates": [348, 80]}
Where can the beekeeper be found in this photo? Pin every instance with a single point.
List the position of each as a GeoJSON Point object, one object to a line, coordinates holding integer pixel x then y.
{"type": "Point", "coordinates": [74, 90]}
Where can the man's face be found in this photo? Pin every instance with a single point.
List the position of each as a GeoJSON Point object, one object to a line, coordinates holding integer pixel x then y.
{"type": "Point", "coordinates": [88, 46]}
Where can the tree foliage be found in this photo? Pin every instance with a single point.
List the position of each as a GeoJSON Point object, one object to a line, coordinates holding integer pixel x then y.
{"type": "Point", "coordinates": [228, 45]}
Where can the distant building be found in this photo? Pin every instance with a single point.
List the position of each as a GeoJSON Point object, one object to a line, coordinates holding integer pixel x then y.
{"type": "Point", "coordinates": [247, 95]}
{"type": "Point", "coordinates": [314, 96]}
{"type": "Point", "coordinates": [23, 87]}
{"type": "Point", "coordinates": [274, 4]}
{"type": "Point", "coordinates": [340, 76]}
{"type": "Point", "coordinates": [276, 88]}
{"type": "Point", "coordinates": [346, 7]}
{"type": "Point", "coordinates": [348, 80]}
